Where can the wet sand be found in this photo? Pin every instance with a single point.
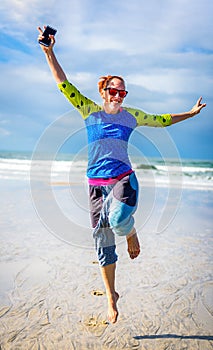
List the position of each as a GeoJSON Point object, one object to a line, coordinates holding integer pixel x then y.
{"type": "Point", "coordinates": [52, 296]}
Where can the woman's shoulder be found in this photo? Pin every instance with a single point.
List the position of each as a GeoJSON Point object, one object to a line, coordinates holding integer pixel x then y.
{"type": "Point", "coordinates": [83, 104]}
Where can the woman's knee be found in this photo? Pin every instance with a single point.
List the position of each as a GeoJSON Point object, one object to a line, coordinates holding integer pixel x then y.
{"type": "Point", "coordinates": [121, 225]}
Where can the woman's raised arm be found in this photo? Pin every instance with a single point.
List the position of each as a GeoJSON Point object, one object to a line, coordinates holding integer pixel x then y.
{"type": "Point", "coordinates": [52, 61]}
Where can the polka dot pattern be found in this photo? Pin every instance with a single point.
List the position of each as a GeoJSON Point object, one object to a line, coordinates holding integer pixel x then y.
{"type": "Point", "coordinates": [149, 119]}
{"type": "Point", "coordinates": [87, 106]}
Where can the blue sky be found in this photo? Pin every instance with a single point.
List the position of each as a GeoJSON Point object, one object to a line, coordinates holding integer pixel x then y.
{"type": "Point", "coordinates": [163, 49]}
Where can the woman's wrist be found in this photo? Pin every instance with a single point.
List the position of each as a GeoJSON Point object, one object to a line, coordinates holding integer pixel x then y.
{"type": "Point", "coordinates": [49, 53]}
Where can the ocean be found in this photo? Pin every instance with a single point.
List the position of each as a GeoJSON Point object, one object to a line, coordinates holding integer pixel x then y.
{"type": "Point", "coordinates": [66, 168]}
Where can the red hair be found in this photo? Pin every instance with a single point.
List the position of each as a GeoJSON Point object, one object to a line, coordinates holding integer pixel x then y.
{"type": "Point", "coordinates": [104, 81]}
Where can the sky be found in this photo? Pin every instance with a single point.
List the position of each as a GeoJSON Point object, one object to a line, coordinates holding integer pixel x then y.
{"type": "Point", "coordinates": [163, 49]}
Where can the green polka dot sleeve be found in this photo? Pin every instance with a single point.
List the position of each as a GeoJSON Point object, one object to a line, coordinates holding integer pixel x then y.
{"type": "Point", "coordinates": [150, 119]}
{"type": "Point", "coordinates": [84, 105]}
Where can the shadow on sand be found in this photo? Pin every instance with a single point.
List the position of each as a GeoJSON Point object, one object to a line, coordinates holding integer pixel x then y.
{"type": "Point", "coordinates": [173, 336]}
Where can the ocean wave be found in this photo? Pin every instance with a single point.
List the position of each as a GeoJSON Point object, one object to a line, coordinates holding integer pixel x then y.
{"type": "Point", "coordinates": [146, 167]}
{"type": "Point", "coordinates": [191, 173]}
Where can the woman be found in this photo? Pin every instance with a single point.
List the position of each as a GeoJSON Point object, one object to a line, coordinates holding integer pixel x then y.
{"type": "Point", "coordinates": [113, 186]}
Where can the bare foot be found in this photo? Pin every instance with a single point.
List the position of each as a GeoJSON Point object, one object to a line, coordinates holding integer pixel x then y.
{"type": "Point", "coordinates": [133, 245]}
{"type": "Point", "coordinates": [112, 308]}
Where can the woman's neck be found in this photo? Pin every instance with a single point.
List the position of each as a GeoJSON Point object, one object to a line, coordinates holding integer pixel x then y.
{"type": "Point", "coordinates": [111, 109]}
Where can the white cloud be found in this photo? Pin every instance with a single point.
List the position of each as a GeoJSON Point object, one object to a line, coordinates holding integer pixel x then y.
{"type": "Point", "coordinates": [31, 74]}
{"type": "Point", "coordinates": [83, 79]}
{"type": "Point", "coordinates": [4, 127]}
{"type": "Point", "coordinates": [4, 132]}
{"type": "Point", "coordinates": [172, 81]}
{"type": "Point", "coordinates": [18, 14]}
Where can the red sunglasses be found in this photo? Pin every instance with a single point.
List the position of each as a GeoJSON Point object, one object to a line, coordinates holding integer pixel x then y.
{"type": "Point", "coordinates": [114, 91]}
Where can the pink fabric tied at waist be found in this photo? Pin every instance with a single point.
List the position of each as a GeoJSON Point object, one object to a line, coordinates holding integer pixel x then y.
{"type": "Point", "coordinates": [110, 181]}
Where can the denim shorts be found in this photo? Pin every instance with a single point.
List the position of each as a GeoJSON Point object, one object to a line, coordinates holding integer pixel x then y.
{"type": "Point", "coordinates": [111, 209]}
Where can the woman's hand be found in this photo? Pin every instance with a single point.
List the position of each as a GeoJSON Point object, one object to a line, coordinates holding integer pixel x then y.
{"type": "Point", "coordinates": [176, 118]}
{"type": "Point", "coordinates": [49, 48]}
{"type": "Point", "coordinates": [197, 107]}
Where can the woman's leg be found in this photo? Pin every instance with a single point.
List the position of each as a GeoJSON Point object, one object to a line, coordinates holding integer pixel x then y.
{"type": "Point", "coordinates": [108, 276]}
{"type": "Point", "coordinates": [103, 235]}
{"type": "Point", "coordinates": [105, 245]}
{"type": "Point", "coordinates": [122, 207]}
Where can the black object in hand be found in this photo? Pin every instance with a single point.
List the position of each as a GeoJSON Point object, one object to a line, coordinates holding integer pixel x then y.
{"type": "Point", "coordinates": [46, 40]}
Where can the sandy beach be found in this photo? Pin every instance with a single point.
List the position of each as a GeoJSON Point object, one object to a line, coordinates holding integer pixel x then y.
{"type": "Point", "coordinates": [52, 296]}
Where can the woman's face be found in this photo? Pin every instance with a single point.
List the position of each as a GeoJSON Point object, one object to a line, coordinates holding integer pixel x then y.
{"type": "Point", "coordinates": [112, 104]}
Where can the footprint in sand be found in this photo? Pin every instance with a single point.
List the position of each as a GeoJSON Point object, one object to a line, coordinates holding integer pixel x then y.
{"type": "Point", "coordinates": [97, 293]}
{"type": "Point", "coordinates": [96, 326]}
{"type": "Point", "coordinates": [94, 322]}
{"type": "Point", "coordinates": [94, 262]}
